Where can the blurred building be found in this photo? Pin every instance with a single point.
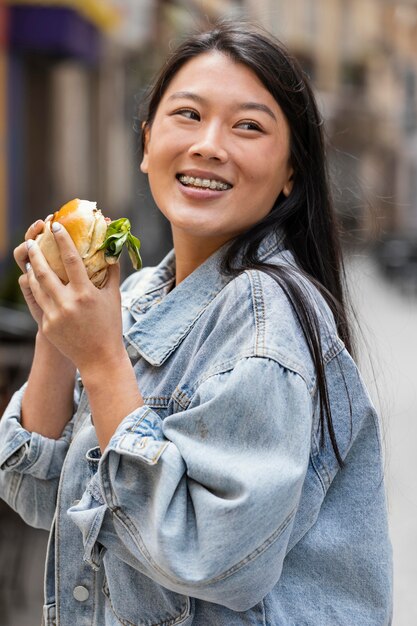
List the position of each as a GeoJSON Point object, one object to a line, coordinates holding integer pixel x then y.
{"type": "Point", "coordinates": [3, 122]}
{"type": "Point", "coordinates": [65, 67]}
{"type": "Point", "coordinates": [362, 58]}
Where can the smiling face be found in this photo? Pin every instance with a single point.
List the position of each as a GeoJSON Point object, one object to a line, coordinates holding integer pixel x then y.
{"type": "Point", "coordinates": [217, 154]}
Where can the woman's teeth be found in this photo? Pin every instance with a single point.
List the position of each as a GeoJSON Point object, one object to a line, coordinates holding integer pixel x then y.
{"type": "Point", "coordinates": [203, 182]}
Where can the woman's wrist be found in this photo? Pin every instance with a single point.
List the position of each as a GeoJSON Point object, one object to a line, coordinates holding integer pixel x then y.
{"type": "Point", "coordinates": [48, 401]}
{"type": "Point", "coordinates": [45, 347]}
{"type": "Point", "coordinates": [104, 368]}
{"type": "Point", "coordinates": [113, 393]}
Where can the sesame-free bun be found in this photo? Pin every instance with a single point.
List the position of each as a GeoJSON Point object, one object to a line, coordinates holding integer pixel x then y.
{"type": "Point", "coordinates": [87, 227]}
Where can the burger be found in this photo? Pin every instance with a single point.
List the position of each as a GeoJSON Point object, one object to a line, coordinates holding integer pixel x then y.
{"type": "Point", "coordinates": [98, 240]}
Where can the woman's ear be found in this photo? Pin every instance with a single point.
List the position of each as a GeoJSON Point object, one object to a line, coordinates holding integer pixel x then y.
{"type": "Point", "coordinates": [145, 134]}
{"type": "Point", "coordinates": [286, 190]}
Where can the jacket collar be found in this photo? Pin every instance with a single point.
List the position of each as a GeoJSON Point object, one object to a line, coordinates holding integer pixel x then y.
{"type": "Point", "coordinates": [163, 318]}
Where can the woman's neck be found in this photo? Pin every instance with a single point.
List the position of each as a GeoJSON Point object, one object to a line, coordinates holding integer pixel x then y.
{"type": "Point", "coordinates": [191, 252]}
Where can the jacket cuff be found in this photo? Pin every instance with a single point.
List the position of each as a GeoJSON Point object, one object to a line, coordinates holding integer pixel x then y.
{"type": "Point", "coordinates": [30, 453]}
{"type": "Point", "coordinates": [140, 435]}
{"type": "Point", "coordinates": [88, 515]}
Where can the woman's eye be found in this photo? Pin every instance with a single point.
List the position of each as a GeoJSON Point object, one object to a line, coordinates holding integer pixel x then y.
{"type": "Point", "coordinates": [188, 113]}
{"type": "Point", "coordinates": [249, 125]}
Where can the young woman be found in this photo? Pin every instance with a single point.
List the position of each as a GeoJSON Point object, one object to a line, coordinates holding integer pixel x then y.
{"type": "Point", "coordinates": [209, 456]}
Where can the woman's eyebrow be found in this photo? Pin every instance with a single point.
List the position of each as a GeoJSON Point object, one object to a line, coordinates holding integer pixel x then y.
{"type": "Point", "coordinates": [258, 107]}
{"type": "Point", "coordinates": [187, 94]}
{"type": "Point", "coordinates": [245, 106]}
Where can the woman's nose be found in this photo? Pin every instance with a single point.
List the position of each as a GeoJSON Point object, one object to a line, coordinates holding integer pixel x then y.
{"type": "Point", "coordinates": [209, 144]}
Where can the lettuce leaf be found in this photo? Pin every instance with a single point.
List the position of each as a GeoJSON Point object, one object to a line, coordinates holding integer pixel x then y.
{"type": "Point", "coordinates": [117, 235]}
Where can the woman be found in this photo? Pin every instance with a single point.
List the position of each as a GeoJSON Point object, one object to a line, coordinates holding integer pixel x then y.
{"type": "Point", "coordinates": [219, 461]}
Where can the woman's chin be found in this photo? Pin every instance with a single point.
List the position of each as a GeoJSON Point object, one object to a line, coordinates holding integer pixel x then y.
{"type": "Point", "coordinates": [197, 225]}
{"type": "Point", "coordinates": [201, 230]}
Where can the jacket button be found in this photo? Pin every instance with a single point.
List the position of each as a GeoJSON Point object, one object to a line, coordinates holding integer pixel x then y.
{"type": "Point", "coordinates": [81, 593]}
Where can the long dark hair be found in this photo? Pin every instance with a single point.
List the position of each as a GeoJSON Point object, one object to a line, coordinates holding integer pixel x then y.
{"type": "Point", "coordinates": [306, 216]}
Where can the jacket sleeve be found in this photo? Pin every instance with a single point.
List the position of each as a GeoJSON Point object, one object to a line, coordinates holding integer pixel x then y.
{"type": "Point", "coordinates": [30, 466]}
{"type": "Point", "coordinates": [204, 501]}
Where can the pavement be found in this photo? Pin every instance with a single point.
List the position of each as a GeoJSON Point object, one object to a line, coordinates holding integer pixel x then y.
{"type": "Point", "coordinates": [388, 360]}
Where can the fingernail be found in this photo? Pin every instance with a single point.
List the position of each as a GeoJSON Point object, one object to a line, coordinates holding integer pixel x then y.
{"type": "Point", "coordinates": [28, 267]}
{"type": "Point", "coordinates": [29, 243]}
{"type": "Point", "coordinates": [48, 217]}
{"type": "Point", "coordinates": [56, 226]}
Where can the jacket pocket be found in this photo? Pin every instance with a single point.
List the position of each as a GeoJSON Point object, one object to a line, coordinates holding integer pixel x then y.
{"type": "Point", "coordinates": [138, 601]}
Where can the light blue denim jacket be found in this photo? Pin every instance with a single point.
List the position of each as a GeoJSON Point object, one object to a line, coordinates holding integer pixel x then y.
{"type": "Point", "coordinates": [216, 503]}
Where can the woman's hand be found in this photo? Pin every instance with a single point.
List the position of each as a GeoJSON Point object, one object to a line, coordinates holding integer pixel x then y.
{"type": "Point", "coordinates": [83, 322]}
{"type": "Point", "coordinates": [21, 257]}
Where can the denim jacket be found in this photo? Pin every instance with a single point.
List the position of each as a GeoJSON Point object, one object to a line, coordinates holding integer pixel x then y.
{"type": "Point", "coordinates": [220, 501]}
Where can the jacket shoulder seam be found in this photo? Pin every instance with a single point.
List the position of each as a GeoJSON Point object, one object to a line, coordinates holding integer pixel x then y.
{"type": "Point", "coordinates": [258, 305]}
{"type": "Point", "coordinates": [183, 399]}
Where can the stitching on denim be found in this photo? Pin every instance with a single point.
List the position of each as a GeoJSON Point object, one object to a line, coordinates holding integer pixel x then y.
{"type": "Point", "coordinates": [287, 363]}
{"type": "Point", "coordinates": [262, 326]}
{"type": "Point", "coordinates": [98, 520]}
{"type": "Point", "coordinates": [21, 438]}
{"type": "Point", "coordinates": [136, 538]}
{"type": "Point", "coordinates": [156, 401]}
{"type": "Point", "coordinates": [94, 491]}
{"type": "Point", "coordinates": [229, 365]}
{"type": "Point", "coordinates": [258, 551]}
{"type": "Point", "coordinates": [183, 330]}
{"type": "Point", "coordinates": [259, 310]}
{"type": "Point", "coordinates": [94, 584]}
{"type": "Point", "coordinates": [181, 398]}
{"type": "Point", "coordinates": [34, 450]}
{"type": "Point", "coordinates": [108, 494]}
{"type": "Point", "coordinates": [254, 311]}
{"type": "Point", "coordinates": [333, 351]}
{"type": "Point", "coordinates": [276, 245]}
{"type": "Point", "coordinates": [315, 466]}
{"type": "Point", "coordinates": [138, 421]}
{"type": "Point", "coordinates": [153, 459]}
{"type": "Point", "coordinates": [336, 343]}
{"type": "Point", "coordinates": [319, 466]}
{"type": "Point", "coordinates": [15, 484]}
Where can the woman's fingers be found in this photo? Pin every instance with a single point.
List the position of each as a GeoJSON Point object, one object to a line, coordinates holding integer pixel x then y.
{"type": "Point", "coordinates": [20, 253]}
{"type": "Point", "coordinates": [36, 228]}
{"type": "Point", "coordinates": [74, 266]}
{"type": "Point", "coordinates": [33, 306]}
{"type": "Point", "coordinates": [42, 280]}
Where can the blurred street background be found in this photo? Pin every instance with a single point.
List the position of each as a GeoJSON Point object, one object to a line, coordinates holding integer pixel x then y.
{"type": "Point", "coordinates": [73, 74]}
